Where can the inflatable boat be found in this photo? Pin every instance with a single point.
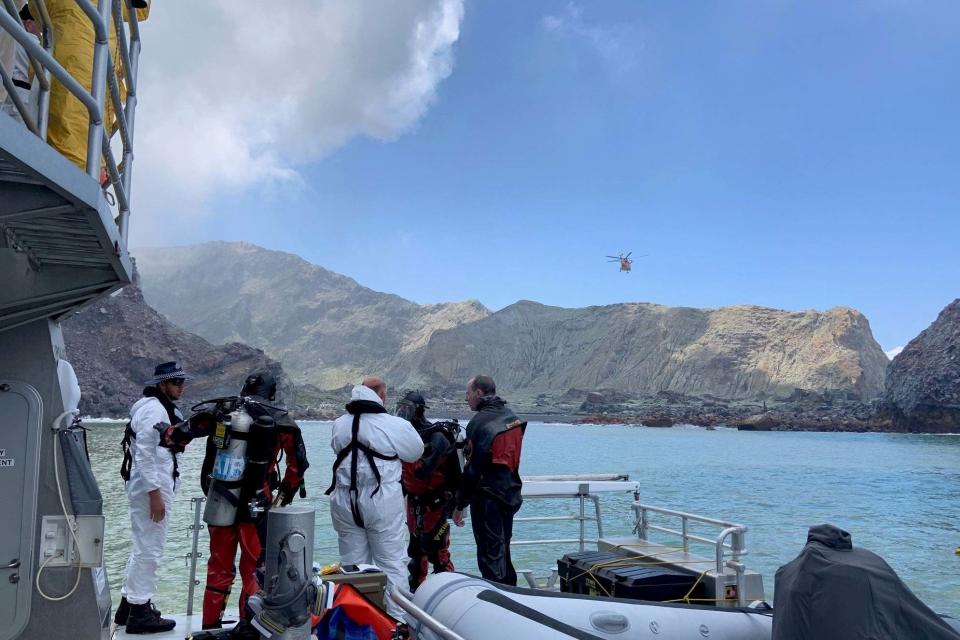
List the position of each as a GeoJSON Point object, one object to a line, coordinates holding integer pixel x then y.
{"type": "Point", "coordinates": [474, 608]}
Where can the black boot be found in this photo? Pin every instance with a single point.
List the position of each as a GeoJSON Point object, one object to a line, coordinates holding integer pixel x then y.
{"type": "Point", "coordinates": [145, 618]}
{"type": "Point", "coordinates": [123, 612]}
{"type": "Point", "coordinates": [245, 631]}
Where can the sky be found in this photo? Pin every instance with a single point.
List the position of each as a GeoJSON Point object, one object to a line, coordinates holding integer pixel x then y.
{"type": "Point", "coordinates": [796, 154]}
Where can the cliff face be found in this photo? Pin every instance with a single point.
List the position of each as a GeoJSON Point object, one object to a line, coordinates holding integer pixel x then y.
{"type": "Point", "coordinates": [328, 330]}
{"type": "Point", "coordinates": [115, 344]}
{"type": "Point", "coordinates": [325, 328]}
{"type": "Point", "coordinates": [733, 352]}
{"type": "Point", "coordinates": [923, 381]}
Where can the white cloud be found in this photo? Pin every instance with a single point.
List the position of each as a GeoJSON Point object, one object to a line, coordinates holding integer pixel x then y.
{"type": "Point", "coordinates": [236, 95]}
{"type": "Point", "coordinates": [893, 353]}
{"type": "Point", "coordinates": [616, 45]}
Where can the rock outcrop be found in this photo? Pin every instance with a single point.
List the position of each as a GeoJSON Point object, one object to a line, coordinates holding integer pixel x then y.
{"type": "Point", "coordinates": [736, 352]}
{"type": "Point", "coordinates": [114, 345]}
{"type": "Point", "coordinates": [923, 381]}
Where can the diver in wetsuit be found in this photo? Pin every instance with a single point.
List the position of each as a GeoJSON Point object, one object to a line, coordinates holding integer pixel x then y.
{"type": "Point", "coordinates": [431, 484]}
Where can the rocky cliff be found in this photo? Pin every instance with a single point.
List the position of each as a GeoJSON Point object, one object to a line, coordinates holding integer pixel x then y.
{"type": "Point", "coordinates": [325, 328]}
{"type": "Point", "coordinates": [114, 345]}
{"type": "Point", "coordinates": [733, 352]}
{"type": "Point", "coordinates": [328, 330]}
{"type": "Point", "coordinates": [923, 381]}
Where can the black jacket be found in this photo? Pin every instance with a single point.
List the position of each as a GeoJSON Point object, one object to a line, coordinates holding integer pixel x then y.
{"type": "Point", "coordinates": [494, 440]}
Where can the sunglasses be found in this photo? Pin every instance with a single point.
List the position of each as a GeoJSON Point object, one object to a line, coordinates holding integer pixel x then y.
{"type": "Point", "coordinates": [177, 382]}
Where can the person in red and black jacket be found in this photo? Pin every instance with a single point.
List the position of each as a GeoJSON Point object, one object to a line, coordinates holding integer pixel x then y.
{"type": "Point", "coordinates": [256, 498]}
{"type": "Point", "coordinates": [431, 484]}
{"type": "Point", "coordinates": [491, 483]}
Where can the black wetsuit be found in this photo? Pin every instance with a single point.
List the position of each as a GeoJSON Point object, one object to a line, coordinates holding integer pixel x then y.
{"type": "Point", "coordinates": [491, 485]}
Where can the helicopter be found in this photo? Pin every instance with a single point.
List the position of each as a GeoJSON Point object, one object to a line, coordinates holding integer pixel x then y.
{"type": "Point", "coordinates": [625, 262]}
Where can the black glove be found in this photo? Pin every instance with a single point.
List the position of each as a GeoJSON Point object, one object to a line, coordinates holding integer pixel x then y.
{"type": "Point", "coordinates": [286, 494]}
{"type": "Point", "coordinates": [176, 437]}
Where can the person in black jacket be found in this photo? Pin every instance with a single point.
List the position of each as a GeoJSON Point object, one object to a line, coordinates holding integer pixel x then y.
{"type": "Point", "coordinates": [491, 478]}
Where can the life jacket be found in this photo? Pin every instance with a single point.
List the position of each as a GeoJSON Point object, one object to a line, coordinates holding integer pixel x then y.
{"type": "Point", "coordinates": [352, 611]}
{"type": "Point", "coordinates": [357, 408]}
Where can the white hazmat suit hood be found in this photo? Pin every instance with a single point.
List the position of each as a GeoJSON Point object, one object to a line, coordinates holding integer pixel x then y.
{"type": "Point", "coordinates": [381, 540]}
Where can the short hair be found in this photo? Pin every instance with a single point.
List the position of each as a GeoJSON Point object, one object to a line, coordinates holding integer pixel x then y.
{"type": "Point", "coordinates": [485, 384]}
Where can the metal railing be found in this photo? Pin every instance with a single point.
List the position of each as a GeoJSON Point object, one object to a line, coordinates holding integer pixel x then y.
{"type": "Point", "coordinates": [735, 533]}
{"type": "Point", "coordinates": [731, 537]}
{"type": "Point", "coordinates": [104, 85]}
{"type": "Point", "coordinates": [582, 518]}
{"type": "Point", "coordinates": [194, 555]}
{"type": "Point", "coordinates": [404, 599]}
{"type": "Point", "coordinates": [582, 495]}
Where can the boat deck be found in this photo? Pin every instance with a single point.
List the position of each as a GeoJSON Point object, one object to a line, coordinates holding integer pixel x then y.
{"type": "Point", "coordinates": [186, 625]}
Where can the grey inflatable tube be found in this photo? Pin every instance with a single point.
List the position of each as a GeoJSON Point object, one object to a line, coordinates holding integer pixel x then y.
{"type": "Point", "coordinates": [480, 610]}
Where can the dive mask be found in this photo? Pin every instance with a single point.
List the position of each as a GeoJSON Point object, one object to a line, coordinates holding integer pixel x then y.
{"type": "Point", "coordinates": [406, 410]}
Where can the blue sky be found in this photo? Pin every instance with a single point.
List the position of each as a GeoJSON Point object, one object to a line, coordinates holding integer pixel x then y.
{"type": "Point", "coordinates": [792, 154]}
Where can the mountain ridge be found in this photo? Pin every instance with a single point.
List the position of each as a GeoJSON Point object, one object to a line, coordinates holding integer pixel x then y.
{"type": "Point", "coordinates": [327, 329]}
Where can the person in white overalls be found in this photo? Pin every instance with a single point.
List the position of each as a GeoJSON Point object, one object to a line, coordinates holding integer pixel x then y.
{"type": "Point", "coordinates": [152, 478]}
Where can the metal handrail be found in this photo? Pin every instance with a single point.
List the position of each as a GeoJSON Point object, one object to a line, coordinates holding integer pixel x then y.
{"type": "Point", "coordinates": [582, 496]}
{"type": "Point", "coordinates": [404, 600]}
{"type": "Point", "coordinates": [735, 532]}
{"type": "Point", "coordinates": [194, 552]}
{"type": "Point", "coordinates": [585, 477]}
{"type": "Point", "coordinates": [104, 80]}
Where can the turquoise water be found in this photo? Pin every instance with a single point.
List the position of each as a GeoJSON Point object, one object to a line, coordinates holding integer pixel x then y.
{"type": "Point", "coordinates": [899, 495]}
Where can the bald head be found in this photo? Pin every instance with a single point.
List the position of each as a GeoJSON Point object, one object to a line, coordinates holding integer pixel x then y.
{"type": "Point", "coordinates": [377, 385]}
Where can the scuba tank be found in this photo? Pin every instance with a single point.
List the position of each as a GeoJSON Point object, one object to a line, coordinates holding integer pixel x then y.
{"type": "Point", "coordinates": [244, 454]}
{"type": "Point", "coordinates": [456, 435]}
{"type": "Point", "coordinates": [230, 439]}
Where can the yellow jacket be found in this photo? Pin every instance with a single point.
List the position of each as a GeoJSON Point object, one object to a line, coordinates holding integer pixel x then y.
{"type": "Point", "coordinates": [73, 49]}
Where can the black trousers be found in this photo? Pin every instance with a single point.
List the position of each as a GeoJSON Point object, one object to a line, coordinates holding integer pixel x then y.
{"type": "Point", "coordinates": [492, 523]}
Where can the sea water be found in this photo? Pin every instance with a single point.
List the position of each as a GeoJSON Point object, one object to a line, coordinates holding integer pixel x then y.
{"type": "Point", "coordinates": [897, 494]}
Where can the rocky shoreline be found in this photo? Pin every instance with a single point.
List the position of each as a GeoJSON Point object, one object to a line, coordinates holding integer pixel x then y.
{"type": "Point", "coordinates": [807, 411]}
{"type": "Point", "coordinates": [802, 411]}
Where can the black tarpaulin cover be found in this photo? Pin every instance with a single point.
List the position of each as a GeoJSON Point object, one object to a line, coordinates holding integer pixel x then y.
{"type": "Point", "coordinates": [832, 591]}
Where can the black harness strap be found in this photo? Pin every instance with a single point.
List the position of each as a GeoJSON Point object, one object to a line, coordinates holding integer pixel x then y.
{"type": "Point", "coordinates": [129, 435]}
{"type": "Point", "coordinates": [126, 445]}
{"type": "Point", "coordinates": [356, 448]}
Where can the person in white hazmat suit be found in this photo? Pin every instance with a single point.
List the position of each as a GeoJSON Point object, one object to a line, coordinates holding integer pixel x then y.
{"type": "Point", "coordinates": [366, 498]}
{"type": "Point", "coordinates": [150, 470]}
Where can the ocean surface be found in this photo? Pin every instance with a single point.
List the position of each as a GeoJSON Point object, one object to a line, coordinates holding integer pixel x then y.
{"type": "Point", "coordinates": [898, 495]}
